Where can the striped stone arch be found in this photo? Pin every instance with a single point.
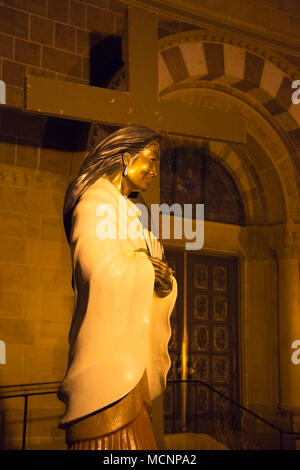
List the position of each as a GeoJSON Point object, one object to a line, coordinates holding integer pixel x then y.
{"type": "Point", "coordinates": [262, 81]}
{"type": "Point", "coordinates": [194, 59]}
{"type": "Point", "coordinates": [261, 76]}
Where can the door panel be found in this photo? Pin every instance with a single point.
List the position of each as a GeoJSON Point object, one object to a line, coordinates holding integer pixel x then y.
{"type": "Point", "coordinates": [212, 330]}
{"type": "Point", "coordinates": [213, 333]}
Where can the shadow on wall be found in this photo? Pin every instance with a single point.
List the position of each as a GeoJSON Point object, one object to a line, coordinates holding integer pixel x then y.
{"type": "Point", "coordinates": [105, 59]}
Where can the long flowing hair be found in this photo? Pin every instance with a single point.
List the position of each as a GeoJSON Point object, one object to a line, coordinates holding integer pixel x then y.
{"type": "Point", "coordinates": [105, 159]}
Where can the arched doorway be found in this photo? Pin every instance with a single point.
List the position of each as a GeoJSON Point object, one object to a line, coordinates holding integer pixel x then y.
{"type": "Point", "coordinates": [217, 70]}
{"type": "Point", "coordinates": [205, 322]}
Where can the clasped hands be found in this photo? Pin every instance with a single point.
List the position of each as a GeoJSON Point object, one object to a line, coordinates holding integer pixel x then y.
{"type": "Point", "coordinates": [163, 275]}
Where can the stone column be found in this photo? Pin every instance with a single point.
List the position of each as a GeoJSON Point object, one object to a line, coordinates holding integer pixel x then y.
{"type": "Point", "coordinates": [259, 321]}
{"type": "Point", "coordinates": [283, 241]}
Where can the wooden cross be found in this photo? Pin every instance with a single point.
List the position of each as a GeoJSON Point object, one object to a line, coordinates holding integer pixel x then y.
{"type": "Point", "coordinates": [141, 104]}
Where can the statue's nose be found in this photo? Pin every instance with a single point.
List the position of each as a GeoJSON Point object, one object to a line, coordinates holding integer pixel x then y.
{"type": "Point", "coordinates": [153, 171]}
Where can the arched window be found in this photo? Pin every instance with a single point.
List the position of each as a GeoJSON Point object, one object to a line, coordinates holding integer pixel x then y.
{"type": "Point", "coordinates": [189, 175]}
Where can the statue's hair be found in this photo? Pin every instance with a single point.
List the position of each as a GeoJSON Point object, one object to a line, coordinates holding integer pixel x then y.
{"type": "Point", "coordinates": [104, 159]}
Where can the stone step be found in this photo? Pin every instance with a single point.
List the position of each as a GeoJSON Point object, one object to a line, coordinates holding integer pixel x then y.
{"type": "Point", "coordinates": [191, 441]}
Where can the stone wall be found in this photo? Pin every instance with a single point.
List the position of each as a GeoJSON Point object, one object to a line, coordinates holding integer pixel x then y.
{"type": "Point", "coordinates": [38, 157]}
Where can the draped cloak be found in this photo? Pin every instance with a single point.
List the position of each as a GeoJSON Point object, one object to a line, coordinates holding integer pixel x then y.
{"type": "Point", "coordinates": [120, 328]}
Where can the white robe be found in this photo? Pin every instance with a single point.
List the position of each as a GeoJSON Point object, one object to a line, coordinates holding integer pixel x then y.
{"type": "Point", "coordinates": [119, 327]}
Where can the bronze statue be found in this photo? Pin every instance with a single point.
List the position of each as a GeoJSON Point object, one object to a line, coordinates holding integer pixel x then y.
{"type": "Point", "coordinates": [124, 295]}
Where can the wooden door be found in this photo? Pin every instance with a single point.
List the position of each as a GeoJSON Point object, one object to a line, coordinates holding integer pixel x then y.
{"type": "Point", "coordinates": [208, 303]}
{"type": "Point", "coordinates": [212, 323]}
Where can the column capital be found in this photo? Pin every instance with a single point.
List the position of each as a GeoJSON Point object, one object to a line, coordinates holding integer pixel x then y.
{"type": "Point", "coordinates": [282, 239]}
{"type": "Point", "coordinates": [255, 243]}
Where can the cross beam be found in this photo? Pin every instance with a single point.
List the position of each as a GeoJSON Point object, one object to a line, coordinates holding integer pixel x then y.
{"type": "Point", "coordinates": [141, 104]}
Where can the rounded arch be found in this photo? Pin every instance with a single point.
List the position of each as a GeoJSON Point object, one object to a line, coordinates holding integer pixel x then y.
{"type": "Point", "coordinates": [191, 174]}
{"type": "Point", "coordinates": [233, 73]}
{"type": "Point", "coordinates": [244, 176]}
{"type": "Point", "coordinates": [265, 76]}
{"type": "Point", "coordinates": [261, 86]}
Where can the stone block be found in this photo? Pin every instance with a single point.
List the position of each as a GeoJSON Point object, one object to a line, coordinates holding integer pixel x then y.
{"type": "Point", "coordinates": [99, 3]}
{"type": "Point", "coordinates": [83, 42]}
{"type": "Point", "coordinates": [63, 62]}
{"type": "Point", "coordinates": [117, 6]}
{"type": "Point", "coordinates": [19, 277]}
{"type": "Point", "coordinates": [13, 421]}
{"type": "Point", "coordinates": [13, 73]}
{"type": "Point", "coordinates": [27, 153]}
{"type": "Point", "coordinates": [99, 20]}
{"type": "Point", "coordinates": [294, 25]}
{"type": "Point", "coordinates": [14, 198]}
{"type": "Point", "coordinates": [46, 203]}
{"type": "Point", "coordinates": [257, 14]}
{"type": "Point", "coordinates": [292, 7]}
{"type": "Point", "coordinates": [56, 161]}
{"type": "Point", "coordinates": [11, 304]}
{"type": "Point", "coordinates": [77, 160]}
{"type": "Point", "coordinates": [40, 72]}
{"type": "Point", "coordinates": [11, 372]}
{"type": "Point", "coordinates": [32, 305]}
{"type": "Point", "coordinates": [24, 125]}
{"type": "Point", "coordinates": [13, 250]}
{"type": "Point", "coordinates": [229, 8]}
{"type": "Point", "coordinates": [58, 10]}
{"type": "Point", "coordinates": [48, 254]}
{"type": "Point", "coordinates": [64, 37]}
{"type": "Point", "coordinates": [27, 52]}
{"type": "Point", "coordinates": [55, 281]}
{"type": "Point", "coordinates": [56, 307]}
{"type": "Point", "coordinates": [6, 46]}
{"type": "Point", "coordinates": [52, 334]}
{"type": "Point", "coordinates": [52, 229]}
{"type": "Point", "coordinates": [43, 425]}
{"type": "Point", "coordinates": [7, 149]}
{"type": "Point", "coordinates": [60, 358]}
{"type": "Point", "coordinates": [16, 332]}
{"type": "Point", "coordinates": [15, 96]}
{"type": "Point", "coordinates": [120, 24]}
{"type": "Point", "coordinates": [23, 225]}
{"type": "Point", "coordinates": [86, 68]}
{"type": "Point", "coordinates": [33, 6]}
{"type": "Point", "coordinates": [13, 22]}
{"type": "Point", "coordinates": [77, 13]}
{"type": "Point", "coordinates": [47, 402]}
{"type": "Point", "coordinates": [280, 21]}
{"type": "Point", "coordinates": [38, 364]}
{"type": "Point", "coordinates": [42, 30]}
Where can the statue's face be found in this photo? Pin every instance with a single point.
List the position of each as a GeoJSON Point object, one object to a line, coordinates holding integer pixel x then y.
{"type": "Point", "coordinates": [143, 168]}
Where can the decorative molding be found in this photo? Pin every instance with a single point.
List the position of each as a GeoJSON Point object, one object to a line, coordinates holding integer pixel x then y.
{"type": "Point", "coordinates": [283, 241]}
{"type": "Point", "coordinates": [33, 179]}
{"type": "Point", "coordinates": [205, 18]}
{"type": "Point", "coordinates": [225, 38]}
{"type": "Point", "coordinates": [255, 243]}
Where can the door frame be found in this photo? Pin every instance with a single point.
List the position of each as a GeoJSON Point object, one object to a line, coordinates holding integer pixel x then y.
{"type": "Point", "coordinates": [184, 322]}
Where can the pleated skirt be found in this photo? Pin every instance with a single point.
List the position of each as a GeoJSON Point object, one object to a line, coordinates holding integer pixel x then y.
{"type": "Point", "coordinates": [137, 435]}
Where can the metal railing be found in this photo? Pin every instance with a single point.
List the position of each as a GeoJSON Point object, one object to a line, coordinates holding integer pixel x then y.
{"type": "Point", "coordinates": [22, 392]}
{"type": "Point", "coordinates": [224, 424]}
